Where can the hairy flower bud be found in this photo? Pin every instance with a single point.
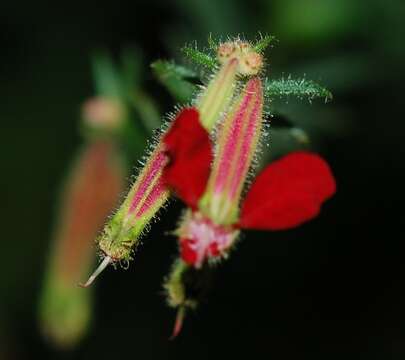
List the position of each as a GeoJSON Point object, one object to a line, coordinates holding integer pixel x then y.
{"type": "Point", "coordinates": [90, 193]}
{"type": "Point", "coordinates": [250, 62]}
{"type": "Point", "coordinates": [236, 145]}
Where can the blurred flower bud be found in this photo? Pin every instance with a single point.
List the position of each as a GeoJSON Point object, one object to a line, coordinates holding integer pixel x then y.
{"type": "Point", "coordinates": [91, 190]}
{"type": "Point", "coordinates": [103, 113]}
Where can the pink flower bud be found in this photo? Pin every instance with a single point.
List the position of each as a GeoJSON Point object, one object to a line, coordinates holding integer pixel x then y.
{"type": "Point", "coordinates": [90, 193]}
{"type": "Point", "coordinates": [237, 142]}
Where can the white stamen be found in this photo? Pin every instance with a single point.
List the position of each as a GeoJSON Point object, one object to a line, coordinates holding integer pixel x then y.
{"type": "Point", "coordinates": [107, 260]}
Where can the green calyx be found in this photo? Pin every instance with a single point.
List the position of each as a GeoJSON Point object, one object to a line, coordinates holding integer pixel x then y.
{"type": "Point", "coordinates": [119, 237]}
{"type": "Point", "coordinates": [176, 288]}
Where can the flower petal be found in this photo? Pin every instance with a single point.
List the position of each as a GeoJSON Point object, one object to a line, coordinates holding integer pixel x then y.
{"type": "Point", "coordinates": [288, 193]}
{"type": "Point", "coordinates": [188, 252]}
{"type": "Point", "coordinates": [188, 148]}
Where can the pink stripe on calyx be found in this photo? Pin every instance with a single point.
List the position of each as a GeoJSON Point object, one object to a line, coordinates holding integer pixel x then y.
{"type": "Point", "coordinates": [154, 196]}
{"type": "Point", "coordinates": [238, 140]}
{"type": "Point", "coordinates": [148, 177]}
{"type": "Point", "coordinates": [248, 148]}
{"type": "Point", "coordinates": [229, 138]}
{"type": "Point", "coordinates": [236, 147]}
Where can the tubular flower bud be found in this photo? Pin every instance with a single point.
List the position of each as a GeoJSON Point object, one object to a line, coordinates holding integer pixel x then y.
{"type": "Point", "coordinates": [250, 62]}
{"type": "Point", "coordinates": [149, 193]}
{"type": "Point", "coordinates": [218, 94]}
{"type": "Point", "coordinates": [237, 59]}
{"type": "Point", "coordinates": [237, 143]}
{"type": "Point", "coordinates": [206, 232]}
{"type": "Point", "coordinates": [103, 113]}
{"type": "Point", "coordinates": [90, 193]}
{"type": "Point", "coordinates": [146, 196]}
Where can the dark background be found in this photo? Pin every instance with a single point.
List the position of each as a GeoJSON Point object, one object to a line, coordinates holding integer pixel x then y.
{"type": "Point", "coordinates": [332, 289]}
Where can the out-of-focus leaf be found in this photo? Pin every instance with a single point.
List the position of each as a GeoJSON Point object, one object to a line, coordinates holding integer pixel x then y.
{"type": "Point", "coordinates": [174, 78]}
{"type": "Point", "coordinates": [107, 80]}
{"type": "Point", "coordinates": [122, 82]}
{"type": "Point", "coordinates": [147, 110]}
{"type": "Point", "coordinates": [131, 65]}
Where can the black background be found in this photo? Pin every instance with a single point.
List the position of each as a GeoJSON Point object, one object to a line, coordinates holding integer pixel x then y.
{"type": "Point", "coordinates": [333, 288]}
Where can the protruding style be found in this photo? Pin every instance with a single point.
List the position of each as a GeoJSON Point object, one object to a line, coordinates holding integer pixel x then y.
{"type": "Point", "coordinates": [106, 261]}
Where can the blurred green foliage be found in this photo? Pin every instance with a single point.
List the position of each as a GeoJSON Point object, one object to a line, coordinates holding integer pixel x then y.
{"type": "Point", "coordinates": [174, 78]}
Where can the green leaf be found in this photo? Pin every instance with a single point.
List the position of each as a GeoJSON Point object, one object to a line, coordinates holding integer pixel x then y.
{"type": "Point", "coordinates": [301, 88]}
{"type": "Point", "coordinates": [131, 69]}
{"type": "Point", "coordinates": [199, 57]}
{"type": "Point", "coordinates": [263, 43]}
{"type": "Point", "coordinates": [212, 43]}
{"type": "Point", "coordinates": [174, 78]}
{"type": "Point", "coordinates": [147, 110]}
{"type": "Point", "coordinates": [106, 77]}
{"type": "Point", "coordinates": [169, 68]}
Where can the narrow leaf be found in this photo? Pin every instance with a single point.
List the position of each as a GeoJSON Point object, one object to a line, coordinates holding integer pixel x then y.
{"type": "Point", "coordinates": [200, 57]}
{"type": "Point", "coordinates": [106, 77]}
{"type": "Point", "coordinates": [263, 43]}
{"type": "Point", "coordinates": [212, 43]}
{"type": "Point", "coordinates": [174, 78]}
{"type": "Point", "coordinates": [301, 88]}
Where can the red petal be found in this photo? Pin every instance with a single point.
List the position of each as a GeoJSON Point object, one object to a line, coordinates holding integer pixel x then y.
{"type": "Point", "coordinates": [214, 250]}
{"type": "Point", "coordinates": [288, 192]}
{"type": "Point", "coordinates": [188, 147]}
{"type": "Point", "coordinates": [187, 252]}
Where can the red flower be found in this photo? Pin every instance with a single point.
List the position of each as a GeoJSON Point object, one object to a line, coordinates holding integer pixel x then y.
{"type": "Point", "coordinates": [284, 195]}
{"type": "Point", "coordinates": [188, 146]}
{"type": "Point", "coordinates": [288, 192]}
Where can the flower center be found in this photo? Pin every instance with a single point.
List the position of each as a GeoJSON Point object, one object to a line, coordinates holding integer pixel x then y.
{"type": "Point", "coordinates": [201, 239]}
